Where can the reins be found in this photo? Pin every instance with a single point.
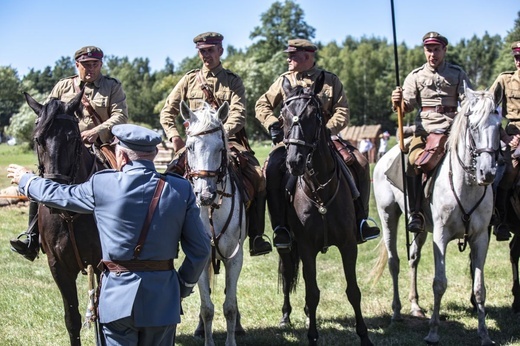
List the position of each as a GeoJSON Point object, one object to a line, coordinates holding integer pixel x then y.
{"type": "Point", "coordinates": [314, 186]}
{"type": "Point", "coordinates": [221, 173]}
{"type": "Point", "coordinates": [67, 217]}
{"type": "Point", "coordinates": [470, 170]}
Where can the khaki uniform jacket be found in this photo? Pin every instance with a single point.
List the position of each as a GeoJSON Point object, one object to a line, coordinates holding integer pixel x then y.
{"type": "Point", "coordinates": [506, 92]}
{"type": "Point", "coordinates": [225, 86]}
{"type": "Point", "coordinates": [106, 96]}
{"type": "Point", "coordinates": [332, 96]}
{"type": "Point", "coordinates": [429, 87]}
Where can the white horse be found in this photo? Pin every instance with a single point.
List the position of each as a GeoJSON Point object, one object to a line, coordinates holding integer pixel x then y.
{"type": "Point", "coordinates": [221, 208]}
{"type": "Point", "coordinates": [459, 207]}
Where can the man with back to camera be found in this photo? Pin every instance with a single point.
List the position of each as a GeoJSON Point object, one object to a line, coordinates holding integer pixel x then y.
{"type": "Point", "coordinates": [139, 302]}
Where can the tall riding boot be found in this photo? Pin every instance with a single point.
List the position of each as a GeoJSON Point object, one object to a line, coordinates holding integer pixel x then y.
{"type": "Point", "coordinates": [275, 171]}
{"type": "Point", "coordinates": [29, 246]}
{"type": "Point", "coordinates": [415, 194]}
{"type": "Point", "coordinates": [501, 229]}
{"type": "Point", "coordinates": [256, 224]}
{"type": "Point", "coordinates": [364, 230]}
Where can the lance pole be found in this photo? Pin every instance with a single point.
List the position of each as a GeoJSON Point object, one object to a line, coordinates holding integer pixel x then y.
{"type": "Point", "coordinates": [400, 116]}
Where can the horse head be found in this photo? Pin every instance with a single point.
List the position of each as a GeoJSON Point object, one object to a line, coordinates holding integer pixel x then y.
{"type": "Point", "coordinates": [304, 124]}
{"type": "Point", "coordinates": [206, 150]}
{"type": "Point", "coordinates": [57, 137]}
{"type": "Point", "coordinates": [477, 128]}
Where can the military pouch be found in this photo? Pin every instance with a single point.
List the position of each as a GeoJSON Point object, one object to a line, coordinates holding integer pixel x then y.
{"type": "Point", "coordinates": [433, 152]}
{"type": "Point", "coordinates": [343, 149]}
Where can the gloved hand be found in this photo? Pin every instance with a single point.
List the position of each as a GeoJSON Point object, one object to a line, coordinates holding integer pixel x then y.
{"type": "Point", "coordinates": [276, 132]}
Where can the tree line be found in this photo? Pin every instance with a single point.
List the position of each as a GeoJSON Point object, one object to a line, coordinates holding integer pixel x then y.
{"type": "Point", "coordinates": [365, 66]}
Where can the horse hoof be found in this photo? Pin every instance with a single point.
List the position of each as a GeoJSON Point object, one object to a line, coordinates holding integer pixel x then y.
{"type": "Point", "coordinates": [418, 314]}
{"type": "Point", "coordinates": [431, 340]}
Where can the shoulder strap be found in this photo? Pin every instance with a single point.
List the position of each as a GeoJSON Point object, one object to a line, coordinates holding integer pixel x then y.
{"type": "Point", "coordinates": [151, 209]}
{"type": "Point", "coordinates": [86, 103]}
{"type": "Point", "coordinates": [207, 91]}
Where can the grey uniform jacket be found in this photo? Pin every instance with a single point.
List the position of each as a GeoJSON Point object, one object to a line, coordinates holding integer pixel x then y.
{"type": "Point", "coordinates": [119, 202]}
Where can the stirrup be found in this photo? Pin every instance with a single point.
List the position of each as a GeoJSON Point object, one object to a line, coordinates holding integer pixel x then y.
{"type": "Point", "coordinates": [374, 236]}
{"type": "Point", "coordinates": [254, 251]}
{"type": "Point", "coordinates": [423, 222]}
{"type": "Point", "coordinates": [283, 247]}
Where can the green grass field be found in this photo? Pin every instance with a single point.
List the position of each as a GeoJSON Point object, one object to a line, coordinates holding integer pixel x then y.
{"type": "Point", "coordinates": [32, 313]}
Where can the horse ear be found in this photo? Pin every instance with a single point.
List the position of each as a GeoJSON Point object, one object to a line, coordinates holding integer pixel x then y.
{"type": "Point", "coordinates": [223, 111]}
{"type": "Point", "coordinates": [74, 104]}
{"type": "Point", "coordinates": [185, 111]}
{"type": "Point", "coordinates": [286, 86]}
{"type": "Point", "coordinates": [318, 85]}
{"type": "Point", "coordinates": [35, 105]}
{"type": "Point", "coordinates": [468, 92]}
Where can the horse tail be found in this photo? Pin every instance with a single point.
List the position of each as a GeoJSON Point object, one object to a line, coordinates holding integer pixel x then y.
{"type": "Point", "coordinates": [382, 260]}
{"type": "Point", "coordinates": [288, 269]}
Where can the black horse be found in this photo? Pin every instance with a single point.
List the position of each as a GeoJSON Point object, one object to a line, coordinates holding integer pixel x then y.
{"type": "Point", "coordinates": [70, 241]}
{"type": "Point", "coordinates": [513, 218]}
{"type": "Point", "coordinates": [321, 213]}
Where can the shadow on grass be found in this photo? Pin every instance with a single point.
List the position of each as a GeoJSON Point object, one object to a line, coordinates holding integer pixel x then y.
{"type": "Point", "coordinates": [382, 331]}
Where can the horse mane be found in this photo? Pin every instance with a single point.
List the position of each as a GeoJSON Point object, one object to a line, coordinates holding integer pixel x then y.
{"type": "Point", "coordinates": [479, 106]}
{"type": "Point", "coordinates": [206, 120]}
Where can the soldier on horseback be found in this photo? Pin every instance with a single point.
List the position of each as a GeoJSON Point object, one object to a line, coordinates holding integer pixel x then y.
{"type": "Point", "coordinates": [434, 89]}
{"type": "Point", "coordinates": [303, 71]}
{"type": "Point", "coordinates": [214, 84]}
{"type": "Point", "coordinates": [505, 93]}
{"type": "Point", "coordinates": [104, 105]}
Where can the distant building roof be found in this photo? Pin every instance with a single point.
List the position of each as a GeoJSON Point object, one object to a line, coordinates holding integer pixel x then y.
{"type": "Point", "coordinates": [355, 133]}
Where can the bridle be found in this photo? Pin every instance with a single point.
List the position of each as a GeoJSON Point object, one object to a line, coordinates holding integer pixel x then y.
{"type": "Point", "coordinates": [296, 124]}
{"type": "Point", "coordinates": [41, 149]}
{"type": "Point", "coordinates": [471, 172]}
{"type": "Point", "coordinates": [67, 217]}
{"type": "Point", "coordinates": [473, 150]}
{"type": "Point", "coordinates": [220, 172]}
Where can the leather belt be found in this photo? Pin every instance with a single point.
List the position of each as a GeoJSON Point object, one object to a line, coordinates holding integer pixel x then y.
{"type": "Point", "coordinates": [136, 266]}
{"type": "Point", "coordinates": [440, 109]}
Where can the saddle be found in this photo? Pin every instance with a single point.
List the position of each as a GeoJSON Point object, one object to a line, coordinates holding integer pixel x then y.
{"type": "Point", "coordinates": [242, 170]}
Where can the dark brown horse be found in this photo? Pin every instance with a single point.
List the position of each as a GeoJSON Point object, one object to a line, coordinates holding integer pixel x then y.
{"type": "Point", "coordinates": [69, 240]}
{"type": "Point", "coordinates": [513, 216]}
{"type": "Point", "coordinates": [321, 213]}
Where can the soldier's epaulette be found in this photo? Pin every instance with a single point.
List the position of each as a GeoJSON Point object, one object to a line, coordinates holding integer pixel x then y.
{"type": "Point", "coordinates": [453, 66]}
{"type": "Point", "coordinates": [69, 77]}
{"type": "Point", "coordinates": [285, 73]}
{"type": "Point", "coordinates": [108, 170]}
{"type": "Point", "coordinates": [113, 78]}
{"type": "Point", "coordinates": [195, 70]}
{"type": "Point", "coordinates": [420, 68]}
{"type": "Point", "coordinates": [232, 73]}
{"type": "Point", "coordinates": [174, 175]}
{"type": "Point", "coordinates": [508, 72]}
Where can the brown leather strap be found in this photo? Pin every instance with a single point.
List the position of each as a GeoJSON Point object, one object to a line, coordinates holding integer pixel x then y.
{"type": "Point", "coordinates": [241, 136]}
{"type": "Point", "coordinates": [210, 98]}
{"type": "Point", "coordinates": [148, 220]}
{"type": "Point", "coordinates": [96, 118]}
{"type": "Point", "coordinates": [136, 266]}
{"type": "Point", "coordinates": [440, 109]}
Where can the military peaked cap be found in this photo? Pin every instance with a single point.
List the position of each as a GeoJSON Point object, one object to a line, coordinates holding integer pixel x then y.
{"type": "Point", "coordinates": [300, 44]}
{"type": "Point", "coordinates": [207, 39]}
{"type": "Point", "coordinates": [136, 137]}
{"type": "Point", "coordinates": [434, 38]}
{"type": "Point", "coordinates": [515, 48]}
{"type": "Point", "coordinates": [88, 53]}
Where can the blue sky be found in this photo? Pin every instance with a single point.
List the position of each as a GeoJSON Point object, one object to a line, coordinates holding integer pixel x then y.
{"type": "Point", "coordinates": [36, 33]}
